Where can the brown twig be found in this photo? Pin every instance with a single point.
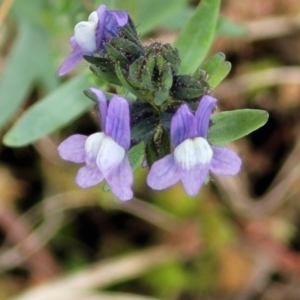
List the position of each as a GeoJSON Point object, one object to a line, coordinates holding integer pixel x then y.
{"type": "Point", "coordinates": [39, 260]}
{"type": "Point", "coordinates": [282, 256]}
{"type": "Point", "coordinates": [151, 214]}
{"type": "Point", "coordinates": [110, 296]}
{"type": "Point", "coordinates": [53, 220]}
{"type": "Point", "coordinates": [101, 274]}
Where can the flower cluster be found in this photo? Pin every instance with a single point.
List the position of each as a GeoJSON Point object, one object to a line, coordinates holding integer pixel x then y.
{"type": "Point", "coordinates": [104, 153]}
{"type": "Point", "coordinates": [192, 157]}
{"type": "Point", "coordinates": [89, 36]}
{"type": "Point", "coordinates": [175, 138]}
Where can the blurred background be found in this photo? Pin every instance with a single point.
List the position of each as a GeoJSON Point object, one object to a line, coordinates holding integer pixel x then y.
{"type": "Point", "coordinates": [238, 239]}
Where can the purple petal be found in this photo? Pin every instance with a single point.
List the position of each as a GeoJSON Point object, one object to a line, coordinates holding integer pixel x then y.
{"type": "Point", "coordinates": [113, 20]}
{"type": "Point", "coordinates": [163, 173]}
{"type": "Point", "coordinates": [111, 26]}
{"type": "Point", "coordinates": [88, 176]}
{"type": "Point", "coordinates": [101, 12]}
{"type": "Point", "coordinates": [117, 121]}
{"type": "Point", "coordinates": [120, 16]}
{"type": "Point", "coordinates": [120, 180]}
{"type": "Point", "coordinates": [71, 61]}
{"type": "Point", "coordinates": [181, 125]}
{"type": "Point", "coordinates": [73, 42]}
{"type": "Point", "coordinates": [203, 114]}
{"type": "Point", "coordinates": [102, 102]}
{"type": "Point", "coordinates": [72, 148]}
{"type": "Point", "coordinates": [225, 161]}
{"type": "Point", "coordinates": [193, 180]}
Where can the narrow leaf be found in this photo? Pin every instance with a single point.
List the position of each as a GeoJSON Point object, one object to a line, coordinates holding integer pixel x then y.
{"type": "Point", "coordinates": [154, 12]}
{"type": "Point", "coordinates": [197, 36]}
{"type": "Point", "coordinates": [51, 113]}
{"type": "Point", "coordinates": [212, 63]}
{"type": "Point", "coordinates": [220, 74]}
{"type": "Point", "coordinates": [143, 129]}
{"type": "Point", "coordinates": [183, 15]}
{"type": "Point", "coordinates": [22, 69]}
{"type": "Point", "coordinates": [126, 83]}
{"type": "Point", "coordinates": [136, 155]}
{"type": "Point", "coordinates": [216, 68]}
{"type": "Point", "coordinates": [231, 125]}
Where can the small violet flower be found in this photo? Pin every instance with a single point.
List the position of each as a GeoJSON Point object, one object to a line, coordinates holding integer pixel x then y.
{"type": "Point", "coordinates": [104, 153]}
{"type": "Point", "coordinates": [89, 36]}
{"type": "Point", "coordinates": [193, 157]}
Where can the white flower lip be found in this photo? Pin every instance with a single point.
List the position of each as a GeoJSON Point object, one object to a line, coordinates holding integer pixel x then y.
{"type": "Point", "coordinates": [92, 146]}
{"type": "Point", "coordinates": [110, 154]}
{"type": "Point", "coordinates": [93, 17]}
{"type": "Point", "coordinates": [85, 35]}
{"type": "Point", "coordinates": [193, 152]}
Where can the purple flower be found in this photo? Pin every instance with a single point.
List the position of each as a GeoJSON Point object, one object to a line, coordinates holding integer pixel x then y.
{"type": "Point", "coordinates": [193, 157]}
{"type": "Point", "coordinates": [104, 153]}
{"type": "Point", "coordinates": [89, 36]}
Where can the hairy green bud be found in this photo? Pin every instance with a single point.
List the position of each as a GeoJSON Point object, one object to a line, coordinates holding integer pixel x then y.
{"type": "Point", "coordinates": [187, 88]}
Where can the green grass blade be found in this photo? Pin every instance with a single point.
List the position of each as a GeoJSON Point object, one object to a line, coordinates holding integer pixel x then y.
{"type": "Point", "coordinates": [197, 36]}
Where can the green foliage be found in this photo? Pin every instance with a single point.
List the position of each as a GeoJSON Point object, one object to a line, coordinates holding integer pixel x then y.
{"type": "Point", "coordinates": [136, 155]}
{"type": "Point", "coordinates": [149, 14]}
{"type": "Point", "coordinates": [231, 125]}
{"type": "Point", "coordinates": [183, 15]}
{"type": "Point", "coordinates": [51, 113]}
{"type": "Point", "coordinates": [216, 68]}
{"type": "Point", "coordinates": [197, 36]}
{"type": "Point", "coordinates": [29, 63]}
{"type": "Point", "coordinates": [155, 11]}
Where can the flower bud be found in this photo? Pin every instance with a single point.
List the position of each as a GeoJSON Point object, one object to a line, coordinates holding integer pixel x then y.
{"type": "Point", "coordinates": [150, 77]}
{"type": "Point", "coordinates": [188, 88]}
{"type": "Point", "coordinates": [103, 68]}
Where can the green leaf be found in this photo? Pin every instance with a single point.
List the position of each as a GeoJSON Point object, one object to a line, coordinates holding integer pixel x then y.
{"type": "Point", "coordinates": [149, 14]}
{"type": "Point", "coordinates": [51, 113]}
{"type": "Point", "coordinates": [211, 64]}
{"type": "Point", "coordinates": [216, 67]}
{"type": "Point", "coordinates": [220, 74]}
{"type": "Point", "coordinates": [93, 96]}
{"type": "Point", "coordinates": [29, 61]}
{"type": "Point", "coordinates": [197, 36]}
{"type": "Point", "coordinates": [154, 12]}
{"type": "Point", "coordinates": [136, 155]}
{"type": "Point", "coordinates": [143, 128]}
{"type": "Point", "coordinates": [231, 125]}
{"type": "Point", "coordinates": [126, 83]}
{"type": "Point", "coordinates": [183, 15]}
